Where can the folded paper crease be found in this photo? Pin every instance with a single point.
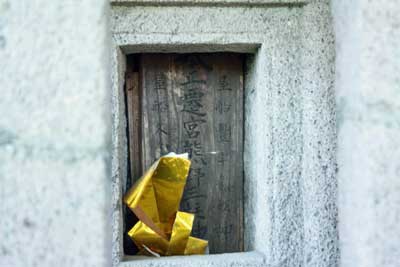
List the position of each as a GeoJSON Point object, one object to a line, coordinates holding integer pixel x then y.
{"type": "Point", "coordinates": [155, 200]}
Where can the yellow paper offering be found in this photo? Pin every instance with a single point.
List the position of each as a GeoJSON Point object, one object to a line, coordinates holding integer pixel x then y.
{"type": "Point", "coordinates": [155, 200]}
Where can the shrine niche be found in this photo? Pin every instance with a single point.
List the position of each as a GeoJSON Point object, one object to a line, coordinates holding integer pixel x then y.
{"type": "Point", "coordinates": [191, 103]}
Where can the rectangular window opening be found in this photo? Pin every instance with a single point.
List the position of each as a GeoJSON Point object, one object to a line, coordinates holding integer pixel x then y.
{"type": "Point", "coordinates": [191, 103]}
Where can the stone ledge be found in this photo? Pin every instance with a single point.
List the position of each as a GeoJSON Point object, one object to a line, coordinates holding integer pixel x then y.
{"type": "Point", "coordinates": [212, 2]}
{"type": "Point", "coordinates": [242, 259]}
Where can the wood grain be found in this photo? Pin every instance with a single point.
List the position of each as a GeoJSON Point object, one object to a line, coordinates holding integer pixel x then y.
{"type": "Point", "coordinates": [134, 117]}
{"type": "Point", "coordinates": [194, 103]}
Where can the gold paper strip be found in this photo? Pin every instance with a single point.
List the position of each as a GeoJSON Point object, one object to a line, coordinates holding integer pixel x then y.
{"type": "Point", "coordinates": [155, 200]}
{"type": "Point", "coordinates": [180, 233]}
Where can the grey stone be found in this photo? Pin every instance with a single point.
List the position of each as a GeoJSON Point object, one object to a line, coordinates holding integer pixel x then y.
{"type": "Point", "coordinates": [58, 182]}
{"type": "Point", "coordinates": [368, 97]}
{"type": "Point", "coordinates": [54, 134]}
{"type": "Point", "coordinates": [290, 136]}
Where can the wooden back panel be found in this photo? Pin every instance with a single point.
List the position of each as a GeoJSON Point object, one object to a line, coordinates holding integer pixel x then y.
{"type": "Point", "coordinates": [194, 103]}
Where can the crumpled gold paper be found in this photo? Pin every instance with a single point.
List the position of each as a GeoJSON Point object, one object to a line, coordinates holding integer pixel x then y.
{"type": "Point", "coordinates": [155, 199]}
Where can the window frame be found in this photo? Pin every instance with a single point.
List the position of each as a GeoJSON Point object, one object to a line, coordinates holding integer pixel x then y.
{"type": "Point", "coordinates": [280, 71]}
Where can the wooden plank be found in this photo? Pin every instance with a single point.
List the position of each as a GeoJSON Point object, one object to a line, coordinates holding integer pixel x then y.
{"type": "Point", "coordinates": [134, 124]}
{"type": "Point", "coordinates": [134, 117]}
{"type": "Point", "coordinates": [194, 103]}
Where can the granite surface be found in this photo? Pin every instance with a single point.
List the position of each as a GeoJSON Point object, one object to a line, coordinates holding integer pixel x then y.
{"type": "Point", "coordinates": [54, 134]}
{"type": "Point", "coordinates": [228, 3]}
{"type": "Point", "coordinates": [290, 125]}
{"type": "Point", "coordinates": [56, 127]}
{"type": "Point", "coordinates": [368, 103]}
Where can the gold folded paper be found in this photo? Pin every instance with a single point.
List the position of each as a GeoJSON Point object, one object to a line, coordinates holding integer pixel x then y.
{"type": "Point", "coordinates": [155, 199]}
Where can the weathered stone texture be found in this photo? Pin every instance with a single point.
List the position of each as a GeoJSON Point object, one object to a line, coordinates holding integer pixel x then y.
{"type": "Point", "coordinates": [54, 133]}
{"type": "Point", "coordinates": [290, 130]}
{"type": "Point", "coordinates": [368, 100]}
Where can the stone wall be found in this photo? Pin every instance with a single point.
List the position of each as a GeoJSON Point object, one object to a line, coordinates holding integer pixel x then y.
{"type": "Point", "coordinates": [54, 133]}
{"type": "Point", "coordinates": [368, 118]}
{"type": "Point", "coordinates": [290, 138]}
